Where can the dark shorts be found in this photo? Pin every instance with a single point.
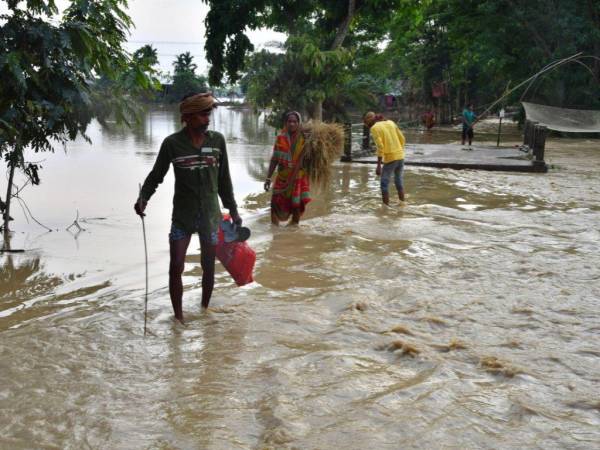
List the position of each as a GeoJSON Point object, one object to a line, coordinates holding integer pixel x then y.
{"type": "Point", "coordinates": [467, 132]}
{"type": "Point", "coordinates": [177, 234]}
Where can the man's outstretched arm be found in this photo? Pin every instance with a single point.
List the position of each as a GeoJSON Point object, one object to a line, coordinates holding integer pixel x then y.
{"type": "Point", "coordinates": [154, 178]}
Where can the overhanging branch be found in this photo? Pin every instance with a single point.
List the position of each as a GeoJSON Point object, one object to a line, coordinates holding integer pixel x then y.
{"type": "Point", "coordinates": [345, 26]}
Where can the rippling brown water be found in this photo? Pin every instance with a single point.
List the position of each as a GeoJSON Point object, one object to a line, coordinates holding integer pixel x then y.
{"type": "Point", "coordinates": [466, 319]}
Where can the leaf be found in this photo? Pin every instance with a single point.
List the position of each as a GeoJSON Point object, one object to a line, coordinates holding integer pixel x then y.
{"type": "Point", "coordinates": [13, 61]}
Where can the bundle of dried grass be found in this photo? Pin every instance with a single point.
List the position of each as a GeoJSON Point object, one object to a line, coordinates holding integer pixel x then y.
{"type": "Point", "coordinates": [324, 144]}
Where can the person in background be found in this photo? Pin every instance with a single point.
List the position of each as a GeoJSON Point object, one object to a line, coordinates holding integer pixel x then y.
{"type": "Point", "coordinates": [199, 159]}
{"type": "Point", "coordinates": [291, 190]}
{"type": "Point", "coordinates": [468, 120]}
{"type": "Point", "coordinates": [390, 142]}
{"type": "Point", "coordinates": [428, 119]}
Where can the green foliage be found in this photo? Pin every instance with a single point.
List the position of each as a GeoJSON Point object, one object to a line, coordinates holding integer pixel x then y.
{"type": "Point", "coordinates": [228, 20]}
{"type": "Point", "coordinates": [482, 46]}
{"type": "Point", "coordinates": [478, 47]}
{"type": "Point", "coordinates": [297, 79]}
{"type": "Point", "coordinates": [146, 55]}
{"type": "Point", "coordinates": [48, 66]}
{"type": "Point", "coordinates": [184, 63]}
{"type": "Point", "coordinates": [138, 82]}
{"type": "Point", "coordinates": [185, 79]}
{"type": "Point", "coordinates": [58, 72]}
{"type": "Point", "coordinates": [323, 38]}
{"type": "Point", "coordinates": [185, 83]}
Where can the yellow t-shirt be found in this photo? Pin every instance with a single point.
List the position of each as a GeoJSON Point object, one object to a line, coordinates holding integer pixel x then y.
{"type": "Point", "coordinates": [389, 140]}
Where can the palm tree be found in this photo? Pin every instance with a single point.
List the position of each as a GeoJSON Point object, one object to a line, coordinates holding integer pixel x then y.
{"type": "Point", "coordinates": [147, 54]}
{"type": "Point", "coordinates": [183, 63]}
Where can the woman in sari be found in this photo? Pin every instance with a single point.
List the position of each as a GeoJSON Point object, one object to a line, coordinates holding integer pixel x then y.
{"type": "Point", "coordinates": [291, 189]}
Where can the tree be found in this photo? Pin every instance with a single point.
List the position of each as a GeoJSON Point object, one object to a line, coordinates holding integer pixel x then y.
{"type": "Point", "coordinates": [301, 78]}
{"type": "Point", "coordinates": [48, 66]}
{"type": "Point", "coordinates": [143, 66]}
{"type": "Point", "coordinates": [146, 55]}
{"type": "Point", "coordinates": [482, 46]}
{"type": "Point", "coordinates": [321, 36]}
{"type": "Point", "coordinates": [185, 79]}
{"type": "Point", "coordinates": [138, 81]}
{"type": "Point", "coordinates": [184, 63]}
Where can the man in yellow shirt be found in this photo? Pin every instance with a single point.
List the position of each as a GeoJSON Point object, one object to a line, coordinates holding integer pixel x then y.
{"type": "Point", "coordinates": [390, 151]}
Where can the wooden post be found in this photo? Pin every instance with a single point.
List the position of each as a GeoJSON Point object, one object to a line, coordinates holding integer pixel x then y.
{"type": "Point", "coordinates": [533, 141]}
{"type": "Point", "coordinates": [531, 130]}
{"type": "Point", "coordinates": [539, 146]}
{"type": "Point", "coordinates": [365, 139]}
{"type": "Point", "coordinates": [533, 136]}
{"type": "Point", "coordinates": [347, 156]}
{"type": "Point", "coordinates": [499, 132]}
{"type": "Point", "coordinates": [501, 116]}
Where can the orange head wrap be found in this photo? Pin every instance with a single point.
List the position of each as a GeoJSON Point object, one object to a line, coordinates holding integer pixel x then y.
{"type": "Point", "coordinates": [197, 103]}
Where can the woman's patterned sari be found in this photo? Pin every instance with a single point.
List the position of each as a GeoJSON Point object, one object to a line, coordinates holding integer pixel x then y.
{"type": "Point", "coordinates": [291, 189]}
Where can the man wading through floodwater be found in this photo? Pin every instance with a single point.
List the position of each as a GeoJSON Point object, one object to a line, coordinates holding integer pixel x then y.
{"type": "Point", "coordinates": [199, 159]}
{"type": "Point", "coordinates": [390, 150]}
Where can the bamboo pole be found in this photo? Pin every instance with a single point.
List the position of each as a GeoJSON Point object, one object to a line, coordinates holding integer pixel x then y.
{"type": "Point", "coordinates": [146, 260]}
{"type": "Point", "coordinates": [530, 80]}
{"type": "Point", "coordinates": [347, 156]}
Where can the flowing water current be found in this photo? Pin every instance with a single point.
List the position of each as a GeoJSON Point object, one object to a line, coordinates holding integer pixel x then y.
{"type": "Point", "coordinates": [467, 318]}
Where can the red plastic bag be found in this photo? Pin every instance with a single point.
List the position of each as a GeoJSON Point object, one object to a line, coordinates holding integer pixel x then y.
{"type": "Point", "coordinates": [237, 257]}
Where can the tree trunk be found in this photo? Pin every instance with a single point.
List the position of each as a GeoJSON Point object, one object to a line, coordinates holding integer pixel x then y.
{"type": "Point", "coordinates": [318, 111]}
{"type": "Point", "coordinates": [6, 215]}
{"type": "Point", "coordinates": [344, 27]}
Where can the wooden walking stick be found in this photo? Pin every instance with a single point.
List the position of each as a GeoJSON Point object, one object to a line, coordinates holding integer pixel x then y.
{"type": "Point", "coordinates": [146, 259]}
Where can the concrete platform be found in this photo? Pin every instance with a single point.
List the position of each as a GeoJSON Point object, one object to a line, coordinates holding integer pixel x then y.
{"type": "Point", "coordinates": [452, 156]}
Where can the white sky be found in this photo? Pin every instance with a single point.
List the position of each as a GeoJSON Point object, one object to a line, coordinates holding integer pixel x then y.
{"type": "Point", "coordinates": [177, 26]}
{"type": "Point", "coordinates": [173, 27]}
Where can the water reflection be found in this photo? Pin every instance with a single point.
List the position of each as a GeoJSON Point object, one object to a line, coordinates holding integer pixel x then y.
{"type": "Point", "coordinates": [255, 129]}
{"type": "Point", "coordinates": [257, 166]}
{"type": "Point", "coordinates": [145, 134]}
{"type": "Point", "coordinates": [22, 279]}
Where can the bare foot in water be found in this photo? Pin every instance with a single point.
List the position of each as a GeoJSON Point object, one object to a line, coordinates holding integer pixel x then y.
{"type": "Point", "coordinates": [179, 320]}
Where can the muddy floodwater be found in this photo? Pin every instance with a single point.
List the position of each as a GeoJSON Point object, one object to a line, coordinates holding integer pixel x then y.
{"type": "Point", "coordinates": [468, 318]}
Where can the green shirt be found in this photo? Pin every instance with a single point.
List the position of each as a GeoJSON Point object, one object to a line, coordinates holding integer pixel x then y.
{"type": "Point", "coordinates": [468, 117]}
{"type": "Point", "coordinates": [201, 176]}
